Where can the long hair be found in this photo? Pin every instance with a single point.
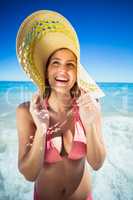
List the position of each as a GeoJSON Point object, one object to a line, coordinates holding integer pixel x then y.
{"type": "Point", "coordinates": [75, 91]}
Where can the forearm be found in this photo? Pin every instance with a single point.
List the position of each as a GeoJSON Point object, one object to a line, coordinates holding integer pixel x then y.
{"type": "Point", "coordinates": [96, 151]}
{"type": "Point", "coordinates": [32, 162]}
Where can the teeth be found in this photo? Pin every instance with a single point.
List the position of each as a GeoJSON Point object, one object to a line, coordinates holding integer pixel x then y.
{"type": "Point", "coordinates": [61, 79]}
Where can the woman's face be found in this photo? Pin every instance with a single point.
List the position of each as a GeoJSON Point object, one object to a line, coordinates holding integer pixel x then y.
{"type": "Point", "coordinates": [62, 70]}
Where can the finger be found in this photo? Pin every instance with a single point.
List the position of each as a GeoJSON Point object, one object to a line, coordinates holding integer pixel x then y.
{"type": "Point", "coordinates": [35, 97]}
{"type": "Point", "coordinates": [43, 114]}
{"type": "Point", "coordinates": [83, 98]}
{"type": "Point", "coordinates": [85, 102]}
{"type": "Point", "coordinates": [38, 106]}
{"type": "Point", "coordinates": [82, 91]}
{"type": "Point", "coordinates": [33, 101]}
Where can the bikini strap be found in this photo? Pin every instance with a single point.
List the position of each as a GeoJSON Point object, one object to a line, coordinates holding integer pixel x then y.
{"type": "Point", "coordinates": [45, 103]}
{"type": "Point", "coordinates": [75, 110]}
{"type": "Point", "coordinates": [48, 134]}
{"type": "Point", "coordinates": [79, 128]}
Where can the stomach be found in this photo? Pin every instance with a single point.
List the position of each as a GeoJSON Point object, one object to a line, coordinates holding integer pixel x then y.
{"type": "Point", "coordinates": [66, 179]}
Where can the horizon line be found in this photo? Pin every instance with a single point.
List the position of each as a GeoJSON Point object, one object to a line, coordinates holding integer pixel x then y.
{"type": "Point", "coordinates": [95, 81]}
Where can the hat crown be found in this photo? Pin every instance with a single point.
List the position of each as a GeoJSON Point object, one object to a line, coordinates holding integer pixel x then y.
{"type": "Point", "coordinates": [42, 22]}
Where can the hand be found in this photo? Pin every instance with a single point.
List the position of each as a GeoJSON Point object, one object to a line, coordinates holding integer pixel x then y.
{"type": "Point", "coordinates": [39, 113]}
{"type": "Point", "coordinates": [89, 108]}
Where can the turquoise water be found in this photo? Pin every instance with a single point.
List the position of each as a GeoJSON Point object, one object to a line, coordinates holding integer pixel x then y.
{"type": "Point", "coordinates": [114, 181]}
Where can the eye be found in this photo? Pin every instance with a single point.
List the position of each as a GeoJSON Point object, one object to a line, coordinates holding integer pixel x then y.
{"type": "Point", "coordinates": [71, 65]}
{"type": "Point", "coordinates": [55, 62]}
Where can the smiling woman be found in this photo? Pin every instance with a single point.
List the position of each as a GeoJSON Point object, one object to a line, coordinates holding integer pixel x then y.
{"type": "Point", "coordinates": [62, 70]}
{"type": "Point", "coordinates": [69, 63]}
{"type": "Point", "coordinates": [59, 131]}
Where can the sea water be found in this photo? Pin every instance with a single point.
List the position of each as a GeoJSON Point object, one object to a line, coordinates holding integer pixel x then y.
{"type": "Point", "coordinates": [113, 181]}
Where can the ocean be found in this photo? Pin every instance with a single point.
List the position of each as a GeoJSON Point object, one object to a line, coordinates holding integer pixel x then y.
{"type": "Point", "coordinates": [113, 181]}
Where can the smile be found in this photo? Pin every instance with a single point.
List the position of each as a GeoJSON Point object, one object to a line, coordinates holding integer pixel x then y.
{"type": "Point", "coordinates": [61, 79]}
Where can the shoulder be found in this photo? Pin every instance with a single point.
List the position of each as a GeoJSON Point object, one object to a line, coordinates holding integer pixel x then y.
{"type": "Point", "coordinates": [23, 111]}
{"type": "Point", "coordinates": [23, 108]}
{"type": "Point", "coordinates": [24, 105]}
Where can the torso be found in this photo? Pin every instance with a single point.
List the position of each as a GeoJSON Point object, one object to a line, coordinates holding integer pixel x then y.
{"type": "Point", "coordinates": [66, 179]}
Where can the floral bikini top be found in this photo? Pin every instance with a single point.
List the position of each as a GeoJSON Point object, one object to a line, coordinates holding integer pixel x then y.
{"type": "Point", "coordinates": [78, 148]}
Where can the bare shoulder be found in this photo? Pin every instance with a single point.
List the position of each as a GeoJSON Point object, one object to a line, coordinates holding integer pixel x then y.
{"type": "Point", "coordinates": [23, 116]}
{"type": "Point", "coordinates": [24, 106]}
{"type": "Point", "coordinates": [23, 109]}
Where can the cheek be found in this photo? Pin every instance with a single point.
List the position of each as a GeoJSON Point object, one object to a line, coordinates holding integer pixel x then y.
{"type": "Point", "coordinates": [74, 75]}
{"type": "Point", "coordinates": [49, 73]}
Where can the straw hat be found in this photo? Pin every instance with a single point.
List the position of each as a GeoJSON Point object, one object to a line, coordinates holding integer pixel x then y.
{"type": "Point", "coordinates": [38, 37]}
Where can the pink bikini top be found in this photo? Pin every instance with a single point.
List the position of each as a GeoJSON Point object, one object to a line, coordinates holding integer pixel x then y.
{"type": "Point", "coordinates": [78, 149]}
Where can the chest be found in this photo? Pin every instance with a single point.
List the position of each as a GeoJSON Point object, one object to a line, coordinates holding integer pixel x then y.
{"type": "Point", "coordinates": [62, 138]}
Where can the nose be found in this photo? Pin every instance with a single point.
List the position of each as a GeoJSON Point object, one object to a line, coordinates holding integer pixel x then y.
{"type": "Point", "coordinates": [63, 68]}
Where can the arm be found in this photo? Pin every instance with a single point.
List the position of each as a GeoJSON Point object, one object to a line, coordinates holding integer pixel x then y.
{"type": "Point", "coordinates": [96, 151]}
{"type": "Point", "coordinates": [30, 158]}
{"type": "Point", "coordinates": [92, 120]}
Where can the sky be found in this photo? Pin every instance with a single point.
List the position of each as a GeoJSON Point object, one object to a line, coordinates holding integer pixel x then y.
{"type": "Point", "coordinates": [104, 28]}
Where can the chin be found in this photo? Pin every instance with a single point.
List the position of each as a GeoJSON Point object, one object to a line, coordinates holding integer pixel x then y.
{"type": "Point", "coordinates": [62, 90]}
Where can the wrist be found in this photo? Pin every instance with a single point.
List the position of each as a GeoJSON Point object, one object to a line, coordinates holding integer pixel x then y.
{"type": "Point", "coordinates": [42, 130]}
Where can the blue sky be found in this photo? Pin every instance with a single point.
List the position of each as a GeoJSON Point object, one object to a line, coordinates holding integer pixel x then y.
{"type": "Point", "coordinates": [104, 28]}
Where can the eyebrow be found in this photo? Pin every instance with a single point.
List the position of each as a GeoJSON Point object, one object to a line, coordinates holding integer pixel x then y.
{"type": "Point", "coordinates": [60, 59]}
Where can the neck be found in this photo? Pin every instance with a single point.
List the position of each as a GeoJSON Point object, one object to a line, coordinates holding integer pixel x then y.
{"type": "Point", "coordinates": [60, 102]}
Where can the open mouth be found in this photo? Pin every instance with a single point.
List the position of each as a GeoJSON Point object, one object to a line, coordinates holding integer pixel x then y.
{"type": "Point", "coordinates": [61, 79]}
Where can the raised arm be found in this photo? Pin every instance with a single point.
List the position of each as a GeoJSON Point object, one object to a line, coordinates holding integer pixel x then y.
{"type": "Point", "coordinates": [96, 150]}
{"type": "Point", "coordinates": [30, 156]}
{"type": "Point", "coordinates": [90, 113]}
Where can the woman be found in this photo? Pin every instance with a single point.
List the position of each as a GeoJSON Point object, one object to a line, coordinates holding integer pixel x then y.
{"type": "Point", "coordinates": [59, 131]}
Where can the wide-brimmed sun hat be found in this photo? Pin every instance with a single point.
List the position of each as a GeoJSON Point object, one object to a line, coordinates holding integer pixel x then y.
{"type": "Point", "coordinates": [42, 33]}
